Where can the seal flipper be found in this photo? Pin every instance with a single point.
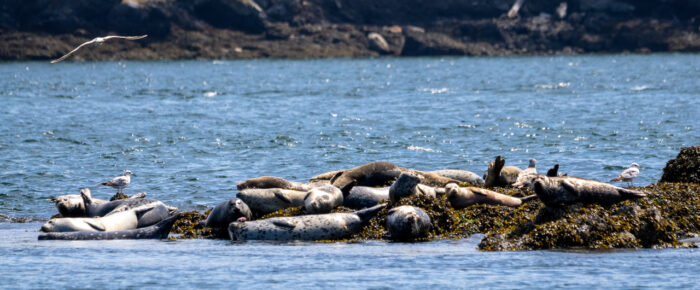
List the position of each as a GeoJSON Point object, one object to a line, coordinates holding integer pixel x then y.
{"type": "Point", "coordinates": [282, 197]}
{"type": "Point", "coordinates": [568, 187]}
{"type": "Point", "coordinates": [368, 213]}
{"type": "Point", "coordinates": [97, 226]}
{"type": "Point", "coordinates": [528, 198]}
{"type": "Point", "coordinates": [477, 191]}
{"type": "Point", "coordinates": [284, 224]}
{"type": "Point", "coordinates": [628, 193]}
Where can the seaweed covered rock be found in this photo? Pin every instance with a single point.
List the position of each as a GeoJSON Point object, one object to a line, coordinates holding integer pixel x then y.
{"type": "Point", "coordinates": [671, 212]}
{"type": "Point", "coordinates": [190, 225]}
{"type": "Point", "coordinates": [685, 168]}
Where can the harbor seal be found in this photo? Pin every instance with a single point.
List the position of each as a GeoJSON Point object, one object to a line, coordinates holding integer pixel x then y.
{"type": "Point", "coordinates": [559, 191]}
{"type": "Point", "coordinates": [324, 176]}
{"type": "Point", "coordinates": [272, 182]}
{"type": "Point", "coordinates": [322, 199]}
{"type": "Point", "coordinates": [364, 196]}
{"type": "Point", "coordinates": [330, 226]}
{"type": "Point", "coordinates": [157, 231]}
{"type": "Point", "coordinates": [72, 205]}
{"type": "Point", "coordinates": [267, 200]}
{"type": "Point", "coordinates": [371, 174]}
{"type": "Point", "coordinates": [461, 197]}
{"type": "Point", "coordinates": [96, 209]}
{"type": "Point", "coordinates": [123, 220]}
{"type": "Point", "coordinates": [430, 179]}
{"type": "Point", "coordinates": [500, 175]}
{"type": "Point", "coordinates": [408, 184]}
{"type": "Point", "coordinates": [227, 212]}
{"type": "Point", "coordinates": [407, 223]}
{"type": "Point", "coordinates": [526, 176]}
{"type": "Point", "coordinates": [460, 175]}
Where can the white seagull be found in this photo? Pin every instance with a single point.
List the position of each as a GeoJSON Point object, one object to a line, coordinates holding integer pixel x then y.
{"type": "Point", "coordinates": [120, 182]}
{"type": "Point", "coordinates": [628, 174]}
{"type": "Point", "coordinates": [98, 41]}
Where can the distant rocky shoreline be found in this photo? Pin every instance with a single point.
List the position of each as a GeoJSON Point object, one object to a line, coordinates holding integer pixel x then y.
{"type": "Point", "coordinates": [243, 29]}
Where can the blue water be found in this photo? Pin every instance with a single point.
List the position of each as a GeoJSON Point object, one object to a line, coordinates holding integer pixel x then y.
{"type": "Point", "coordinates": [190, 130]}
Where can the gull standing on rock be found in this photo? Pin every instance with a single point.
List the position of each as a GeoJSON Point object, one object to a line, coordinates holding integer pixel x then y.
{"type": "Point", "coordinates": [628, 174]}
{"type": "Point", "coordinates": [98, 41]}
{"type": "Point", "coordinates": [120, 182]}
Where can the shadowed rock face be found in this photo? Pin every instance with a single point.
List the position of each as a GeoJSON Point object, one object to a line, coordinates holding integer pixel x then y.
{"type": "Point", "coordinates": [685, 168]}
{"type": "Point", "coordinates": [319, 28]}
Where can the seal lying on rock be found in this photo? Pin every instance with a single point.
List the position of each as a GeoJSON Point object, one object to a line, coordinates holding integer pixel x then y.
{"type": "Point", "coordinates": [430, 179]}
{"type": "Point", "coordinates": [558, 191]}
{"type": "Point", "coordinates": [157, 231]}
{"type": "Point", "coordinates": [371, 174]}
{"type": "Point", "coordinates": [227, 212]}
{"type": "Point", "coordinates": [272, 182]}
{"type": "Point", "coordinates": [461, 197]}
{"type": "Point", "coordinates": [322, 199]}
{"type": "Point", "coordinates": [124, 220]}
{"type": "Point", "coordinates": [407, 223]}
{"type": "Point", "coordinates": [264, 201]}
{"type": "Point", "coordinates": [525, 177]}
{"type": "Point", "coordinates": [325, 176]}
{"type": "Point", "coordinates": [332, 226]}
{"type": "Point", "coordinates": [500, 175]}
{"type": "Point", "coordinates": [96, 209]}
{"type": "Point", "coordinates": [72, 205]}
{"type": "Point", "coordinates": [407, 185]}
{"type": "Point", "coordinates": [460, 175]}
{"type": "Point", "coordinates": [364, 196]}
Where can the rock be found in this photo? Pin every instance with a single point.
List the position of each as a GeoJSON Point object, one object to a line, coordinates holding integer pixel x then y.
{"type": "Point", "coordinates": [419, 42]}
{"type": "Point", "coordinates": [685, 168]}
{"type": "Point", "coordinates": [378, 43]}
{"type": "Point", "coordinates": [245, 15]}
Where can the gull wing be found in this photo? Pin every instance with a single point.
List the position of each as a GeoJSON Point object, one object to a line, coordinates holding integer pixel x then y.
{"type": "Point", "coordinates": [72, 51]}
{"type": "Point", "coordinates": [125, 37]}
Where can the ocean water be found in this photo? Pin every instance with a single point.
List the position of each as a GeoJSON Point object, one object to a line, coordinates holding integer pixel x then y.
{"type": "Point", "coordinates": [191, 130]}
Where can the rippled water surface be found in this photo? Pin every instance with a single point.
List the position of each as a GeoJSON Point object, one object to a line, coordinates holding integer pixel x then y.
{"type": "Point", "coordinates": [190, 130]}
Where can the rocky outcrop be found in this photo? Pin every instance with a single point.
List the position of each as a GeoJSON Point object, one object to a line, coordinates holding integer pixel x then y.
{"type": "Point", "coordinates": [685, 168]}
{"type": "Point", "coordinates": [341, 28]}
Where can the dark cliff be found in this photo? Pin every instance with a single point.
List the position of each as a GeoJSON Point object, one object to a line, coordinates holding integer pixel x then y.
{"type": "Point", "coordinates": [44, 29]}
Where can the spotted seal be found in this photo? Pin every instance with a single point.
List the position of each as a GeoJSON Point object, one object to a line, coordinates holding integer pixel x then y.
{"type": "Point", "coordinates": [460, 175]}
{"type": "Point", "coordinates": [272, 182]}
{"type": "Point", "coordinates": [407, 223]}
{"type": "Point", "coordinates": [322, 199]}
{"type": "Point", "coordinates": [157, 231]}
{"type": "Point", "coordinates": [364, 196]}
{"type": "Point", "coordinates": [330, 226]}
{"type": "Point", "coordinates": [559, 191]}
{"type": "Point", "coordinates": [264, 201]}
{"type": "Point", "coordinates": [227, 212]}
{"type": "Point", "coordinates": [371, 174]}
{"type": "Point", "coordinates": [461, 197]}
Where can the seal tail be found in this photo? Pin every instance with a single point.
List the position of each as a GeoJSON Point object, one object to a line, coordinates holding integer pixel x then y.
{"type": "Point", "coordinates": [628, 193]}
{"type": "Point", "coordinates": [368, 213]}
{"type": "Point", "coordinates": [166, 225]}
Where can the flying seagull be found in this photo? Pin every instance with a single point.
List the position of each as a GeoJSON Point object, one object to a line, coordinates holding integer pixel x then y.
{"type": "Point", "coordinates": [120, 182]}
{"type": "Point", "coordinates": [628, 174]}
{"type": "Point", "coordinates": [98, 41]}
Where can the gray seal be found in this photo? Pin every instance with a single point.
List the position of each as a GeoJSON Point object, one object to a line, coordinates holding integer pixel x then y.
{"type": "Point", "coordinates": [322, 199]}
{"type": "Point", "coordinates": [460, 175]}
{"type": "Point", "coordinates": [461, 197]}
{"type": "Point", "coordinates": [264, 201]}
{"type": "Point", "coordinates": [96, 209]}
{"type": "Point", "coordinates": [157, 231]}
{"type": "Point", "coordinates": [227, 212]}
{"type": "Point", "coordinates": [272, 182]}
{"type": "Point", "coordinates": [364, 196]}
{"type": "Point", "coordinates": [331, 226]}
{"type": "Point", "coordinates": [371, 174]}
{"type": "Point", "coordinates": [407, 223]}
{"type": "Point", "coordinates": [559, 191]}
